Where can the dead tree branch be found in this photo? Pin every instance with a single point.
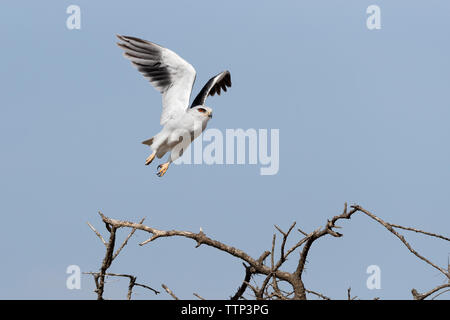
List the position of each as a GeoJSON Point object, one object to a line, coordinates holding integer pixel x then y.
{"type": "Point", "coordinates": [390, 227]}
{"type": "Point", "coordinates": [169, 291]}
{"type": "Point", "coordinates": [131, 285]}
{"type": "Point", "coordinates": [273, 275]}
{"type": "Point", "coordinates": [99, 277]}
{"type": "Point", "coordinates": [243, 287]}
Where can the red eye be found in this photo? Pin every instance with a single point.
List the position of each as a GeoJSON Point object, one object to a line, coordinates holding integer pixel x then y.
{"type": "Point", "coordinates": [201, 110]}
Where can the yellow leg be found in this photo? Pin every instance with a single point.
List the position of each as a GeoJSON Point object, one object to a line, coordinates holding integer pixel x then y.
{"type": "Point", "coordinates": [150, 158]}
{"type": "Point", "coordinates": [162, 169]}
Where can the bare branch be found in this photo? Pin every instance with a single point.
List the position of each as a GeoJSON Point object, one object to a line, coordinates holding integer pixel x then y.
{"type": "Point", "coordinates": [200, 238]}
{"type": "Point", "coordinates": [169, 292]}
{"type": "Point", "coordinates": [254, 289]}
{"type": "Point", "coordinates": [402, 239]}
{"type": "Point", "coordinates": [269, 288]}
{"type": "Point", "coordinates": [318, 294]}
{"type": "Point", "coordinates": [445, 291]}
{"type": "Point", "coordinates": [421, 296]}
{"type": "Point", "coordinates": [243, 287]}
{"type": "Point", "coordinates": [126, 240]}
{"type": "Point", "coordinates": [272, 268]}
{"type": "Point", "coordinates": [420, 231]}
{"type": "Point", "coordinates": [328, 229]}
{"type": "Point", "coordinates": [132, 282]}
{"type": "Point", "coordinates": [200, 297]}
{"type": "Point", "coordinates": [130, 287]}
{"type": "Point", "coordinates": [107, 260]}
{"type": "Point", "coordinates": [283, 243]}
{"type": "Point", "coordinates": [349, 294]}
{"type": "Point", "coordinates": [146, 287]}
{"type": "Point", "coordinates": [97, 233]}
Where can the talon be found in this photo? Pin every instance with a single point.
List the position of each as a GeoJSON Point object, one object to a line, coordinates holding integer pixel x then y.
{"type": "Point", "coordinates": [163, 168]}
{"type": "Point", "coordinates": [150, 158]}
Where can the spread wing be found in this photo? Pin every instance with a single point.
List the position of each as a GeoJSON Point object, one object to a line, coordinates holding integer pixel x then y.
{"type": "Point", "coordinates": [166, 71]}
{"type": "Point", "coordinates": [213, 86]}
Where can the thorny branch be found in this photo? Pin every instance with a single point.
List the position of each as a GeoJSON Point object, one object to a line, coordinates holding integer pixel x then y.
{"type": "Point", "coordinates": [99, 277]}
{"type": "Point", "coordinates": [269, 287]}
{"type": "Point", "coordinates": [131, 285]}
{"type": "Point", "coordinates": [243, 287]}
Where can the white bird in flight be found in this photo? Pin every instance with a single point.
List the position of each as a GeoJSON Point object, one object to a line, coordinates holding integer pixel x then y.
{"type": "Point", "coordinates": [173, 77]}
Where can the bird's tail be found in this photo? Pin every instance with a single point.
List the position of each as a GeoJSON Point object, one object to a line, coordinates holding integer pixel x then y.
{"type": "Point", "coordinates": [148, 142]}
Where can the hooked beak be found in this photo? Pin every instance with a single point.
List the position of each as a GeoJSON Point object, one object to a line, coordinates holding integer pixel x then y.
{"type": "Point", "coordinates": [210, 114]}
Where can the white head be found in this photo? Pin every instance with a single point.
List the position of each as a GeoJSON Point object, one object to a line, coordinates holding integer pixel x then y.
{"type": "Point", "coordinates": [202, 113]}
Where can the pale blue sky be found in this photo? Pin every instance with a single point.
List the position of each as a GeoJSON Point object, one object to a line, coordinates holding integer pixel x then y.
{"type": "Point", "coordinates": [363, 118]}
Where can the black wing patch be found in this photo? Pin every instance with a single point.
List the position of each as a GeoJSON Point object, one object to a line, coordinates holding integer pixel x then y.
{"type": "Point", "coordinates": [213, 86]}
{"type": "Point", "coordinates": [146, 56]}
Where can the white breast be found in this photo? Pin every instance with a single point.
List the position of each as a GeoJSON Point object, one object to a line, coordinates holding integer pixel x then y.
{"type": "Point", "coordinates": [186, 125]}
